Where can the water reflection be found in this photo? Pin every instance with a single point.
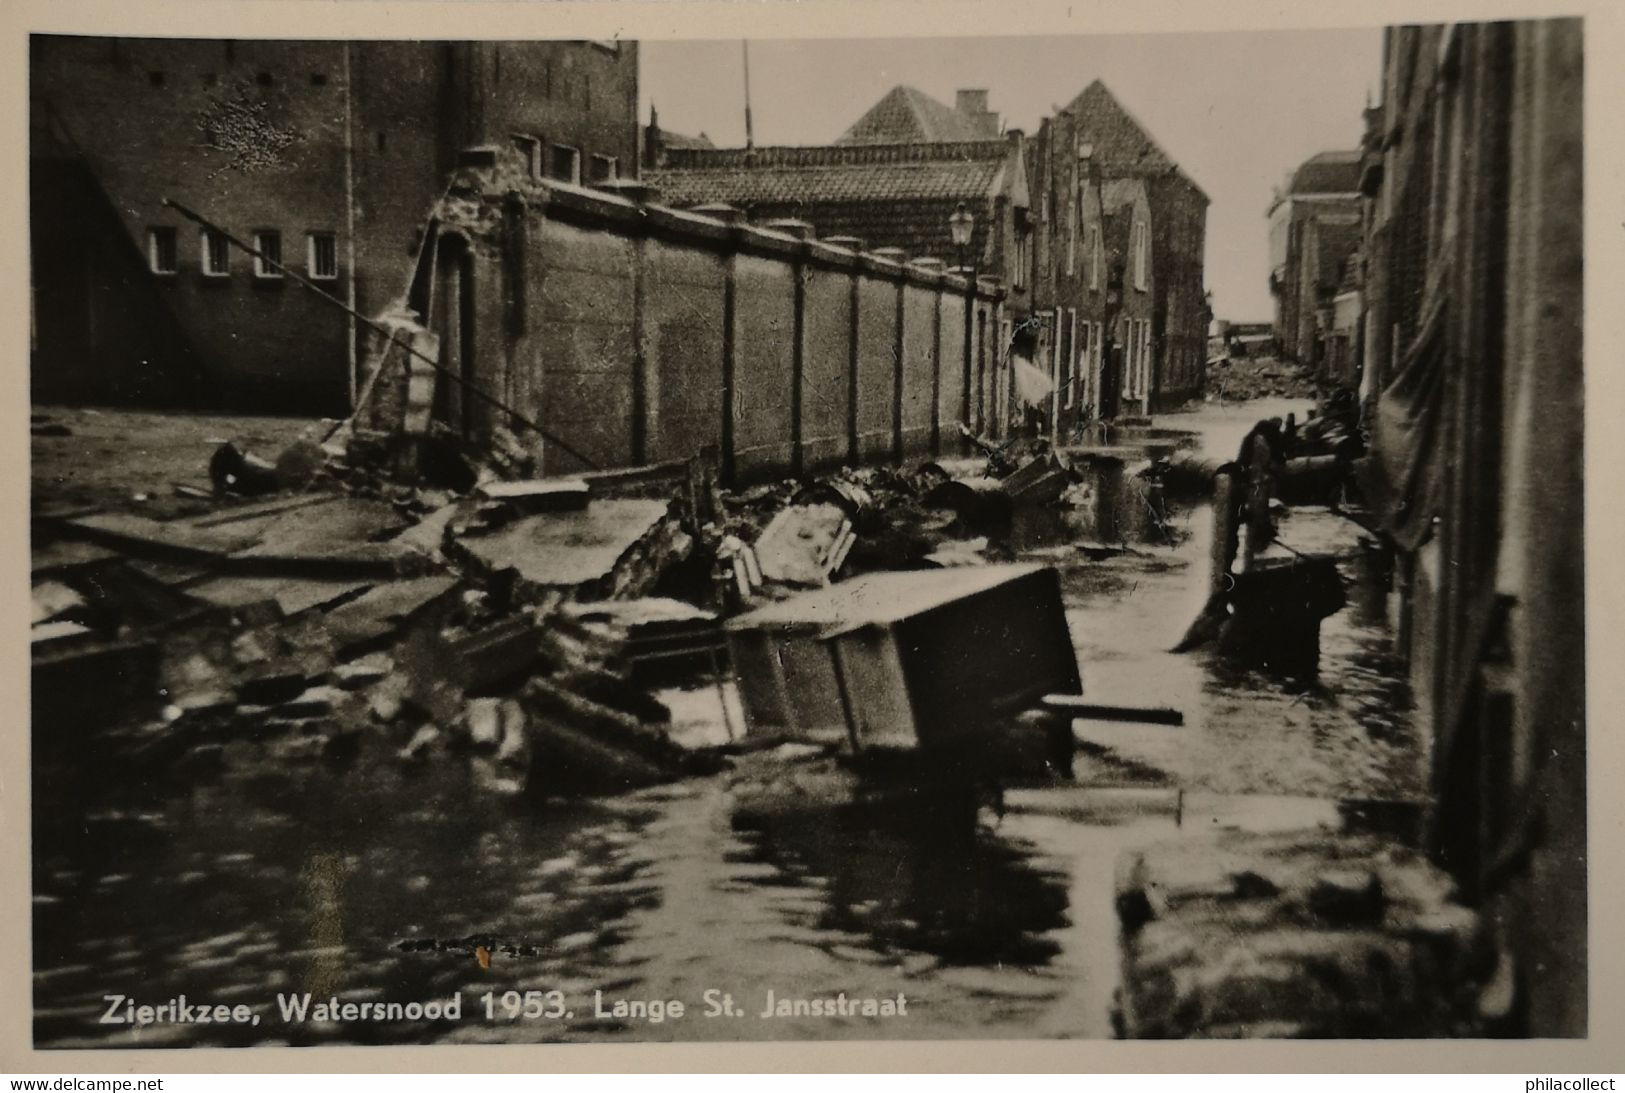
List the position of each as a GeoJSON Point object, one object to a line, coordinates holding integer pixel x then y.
{"type": "Point", "coordinates": [907, 882]}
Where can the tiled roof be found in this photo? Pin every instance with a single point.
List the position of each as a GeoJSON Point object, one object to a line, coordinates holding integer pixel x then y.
{"type": "Point", "coordinates": [1120, 143]}
{"type": "Point", "coordinates": [906, 115]}
{"type": "Point", "coordinates": [668, 139]}
{"type": "Point", "coordinates": [1119, 140]}
{"type": "Point", "coordinates": [1327, 173]}
{"type": "Point", "coordinates": [889, 197]}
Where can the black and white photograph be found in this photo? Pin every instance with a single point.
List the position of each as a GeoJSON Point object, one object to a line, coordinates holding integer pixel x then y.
{"type": "Point", "coordinates": [1065, 537]}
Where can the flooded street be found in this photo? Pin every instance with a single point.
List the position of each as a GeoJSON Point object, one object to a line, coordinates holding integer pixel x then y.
{"type": "Point", "coordinates": [377, 882]}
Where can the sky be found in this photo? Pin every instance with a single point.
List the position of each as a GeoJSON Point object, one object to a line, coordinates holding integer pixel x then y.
{"type": "Point", "coordinates": [1236, 110]}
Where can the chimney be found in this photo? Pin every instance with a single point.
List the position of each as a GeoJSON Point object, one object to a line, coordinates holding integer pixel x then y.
{"type": "Point", "coordinates": [971, 101]}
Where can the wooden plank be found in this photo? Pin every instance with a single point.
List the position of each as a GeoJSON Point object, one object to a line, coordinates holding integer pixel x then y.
{"type": "Point", "coordinates": [1077, 707]}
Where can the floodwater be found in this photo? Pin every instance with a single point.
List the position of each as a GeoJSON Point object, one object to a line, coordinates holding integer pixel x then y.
{"type": "Point", "coordinates": [375, 883]}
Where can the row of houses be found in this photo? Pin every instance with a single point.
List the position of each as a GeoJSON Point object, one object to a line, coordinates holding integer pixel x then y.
{"type": "Point", "coordinates": [1094, 231]}
{"type": "Point", "coordinates": [1461, 217]}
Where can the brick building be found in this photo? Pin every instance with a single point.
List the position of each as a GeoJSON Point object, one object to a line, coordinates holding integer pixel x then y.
{"type": "Point", "coordinates": [1328, 244]}
{"type": "Point", "coordinates": [1096, 291]}
{"type": "Point", "coordinates": [1473, 364]}
{"type": "Point", "coordinates": [1323, 191]}
{"type": "Point", "coordinates": [1077, 155]}
{"type": "Point", "coordinates": [326, 154]}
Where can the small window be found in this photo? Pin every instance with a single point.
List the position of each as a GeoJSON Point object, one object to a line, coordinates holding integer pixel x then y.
{"type": "Point", "coordinates": [530, 151]}
{"type": "Point", "coordinates": [605, 168]}
{"type": "Point", "coordinates": [564, 163]}
{"type": "Point", "coordinates": [1140, 255]}
{"type": "Point", "coordinates": [318, 79]}
{"type": "Point", "coordinates": [322, 256]}
{"type": "Point", "coordinates": [268, 261]}
{"type": "Point", "coordinates": [161, 256]}
{"type": "Point", "coordinates": [1072, 355]}
{"type": "Point", "coordinates": [216, 255]}
{"type": "Point", "coordinates": [1071, 239]}
{"type": "Point", "coordinates": [263, 79]}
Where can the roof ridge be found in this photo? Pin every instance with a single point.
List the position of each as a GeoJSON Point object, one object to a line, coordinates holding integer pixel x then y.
{"type": "Point", "coordinates": [834, 155]}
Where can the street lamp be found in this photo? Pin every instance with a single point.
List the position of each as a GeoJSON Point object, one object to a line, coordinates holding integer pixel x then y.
{"type": "Point", "coordinates": [961, 222]}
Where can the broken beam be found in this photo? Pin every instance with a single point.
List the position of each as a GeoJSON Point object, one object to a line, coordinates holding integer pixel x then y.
{"type": "Point", "coordinates": [1075, 706]}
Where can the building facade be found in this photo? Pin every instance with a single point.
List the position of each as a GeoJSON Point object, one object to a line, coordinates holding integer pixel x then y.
{"type": "Point", "coordinates": [1096, 289]}
{"type": "Point", "coordinates": [1318, 206]}
{"type": "Point", "coordinates": [324, 156]}
{"type": "Point", "coordinates": [1327, 245]}
{"type": "Point", "coordinates": [1473, 377]}
{"type": "Point", "coordinates": [1080, 154]}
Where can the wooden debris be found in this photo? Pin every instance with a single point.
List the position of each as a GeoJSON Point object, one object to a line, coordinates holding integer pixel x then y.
{"type": "Point", "coordinates": [1075, 706]}
{"type": "Point", "coordinates": [804, 544]}
{"type": "Point", "coordinates": [540, 495]}
{"type": "Point", "coordinates": [53, 598]}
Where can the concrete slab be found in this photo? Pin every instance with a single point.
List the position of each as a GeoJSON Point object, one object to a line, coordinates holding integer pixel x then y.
{"type": "Point", "coordinates": [567, 549]}
{"type": "Point", "coordinates": [290, 594]}
{"type": "Point", "coordinates": [339, 523]}
{"type": "Point", "coordinates": [379, 612]}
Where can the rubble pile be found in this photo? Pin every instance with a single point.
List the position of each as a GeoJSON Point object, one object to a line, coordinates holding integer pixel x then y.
{"type": "Point", "coordinates": [324, 603]}
{"type": "Point", "coordinates": [1239, 378]}
{"type": "Point", "coordinates": [1297, 935]}
{"type": "Point", "coordinates": [383, 587]}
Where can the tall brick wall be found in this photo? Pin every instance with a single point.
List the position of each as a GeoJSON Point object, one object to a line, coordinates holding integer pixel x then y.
{"type": "Point", "coordinates": [682, 329]}
{"type": "Point", "coordinates": [920, 337]}
{"type": "Point", "coordinates": [583, 306]}
{"type": "Point", "coordinates": [764, 370]}
{"type": "Point", "coordinates": [624, 349]}
{"type": "Point", "coordinates": [876, 357]}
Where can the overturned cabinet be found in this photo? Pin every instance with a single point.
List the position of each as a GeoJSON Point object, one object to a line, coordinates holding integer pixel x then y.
{"type": "Point", "coordinates": [927, 659]}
